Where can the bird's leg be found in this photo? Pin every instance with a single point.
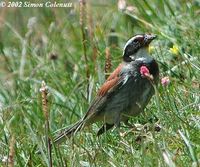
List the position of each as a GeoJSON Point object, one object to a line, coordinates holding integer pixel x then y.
{"type": "Point", "coordinates": [117, 121]}
{"type": "Point", "coordinates": [104, 128]}
{"type": "Point", "coordinates": [117, 125]}
{"type": "Point", "coordinates": [129, 125]}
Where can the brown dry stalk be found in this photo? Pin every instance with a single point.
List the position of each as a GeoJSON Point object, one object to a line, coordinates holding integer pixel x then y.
{"type": "Point", "coordinates": [11, 152]}
{"type": "Point", "coordinates": [82, 4]}
{"type": "Point", "coordinates": [91, 34]}
{"type": "Point", "coordinates": [44, 92]}
{"type": "Point", "coordinates": [108, 63]}
{"type": "Point", "coordinates": [90, 21]}
{"type": "Point", "coordinates": [84, 40]}
{"type": "Point", "coordinates": [44, 99]}
{"type": "Point", "coordinates": [94, 55]}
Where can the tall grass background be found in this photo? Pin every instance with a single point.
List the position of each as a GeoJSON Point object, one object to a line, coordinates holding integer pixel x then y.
{"type": "Point", "coordinates": [73, 50]}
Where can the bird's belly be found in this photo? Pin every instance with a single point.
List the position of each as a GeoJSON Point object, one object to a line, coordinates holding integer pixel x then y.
{"type": "Point", "coordinates": [113, 115]}
{"type": "Point", "coordinates": [127, 103]}
{"type": "Point", "coordinates": [138, 105]}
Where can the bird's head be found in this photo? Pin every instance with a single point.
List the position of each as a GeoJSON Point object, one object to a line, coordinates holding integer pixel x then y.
{"type": "Point", "coordinates": [135, 44]}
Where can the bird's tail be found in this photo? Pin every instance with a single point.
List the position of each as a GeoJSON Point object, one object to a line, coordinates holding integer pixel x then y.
{"type": "Point", "coordinates": [67, 133]}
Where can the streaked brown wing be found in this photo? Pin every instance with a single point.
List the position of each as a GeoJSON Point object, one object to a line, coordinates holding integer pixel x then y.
{"type": "Point", "coordinates": [111, 84]}
{"type": "Point", "coordinates": [115, 73]}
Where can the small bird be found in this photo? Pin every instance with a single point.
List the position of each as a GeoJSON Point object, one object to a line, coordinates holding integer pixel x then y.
{"type": "Point", "coordinates": [125, 93]}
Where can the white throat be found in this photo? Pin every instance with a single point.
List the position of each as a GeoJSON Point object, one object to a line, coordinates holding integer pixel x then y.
{"type": "Point", "coordinates": [141, 53]}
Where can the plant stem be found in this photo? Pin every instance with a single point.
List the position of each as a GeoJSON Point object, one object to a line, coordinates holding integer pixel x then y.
{"type": "Point", "coordinates": [46, 115]}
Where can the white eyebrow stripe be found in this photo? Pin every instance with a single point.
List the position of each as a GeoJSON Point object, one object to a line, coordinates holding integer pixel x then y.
{"type": "Point", "coordinates": [130, 40]}
{"type": "Point", "coordinates": [140, 59]}
{"type": "Point", "coordinates": [132, 57]}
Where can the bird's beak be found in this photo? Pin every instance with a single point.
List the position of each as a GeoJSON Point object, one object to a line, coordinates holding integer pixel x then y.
{"type": "Point", "coordinates": [149, 38]}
